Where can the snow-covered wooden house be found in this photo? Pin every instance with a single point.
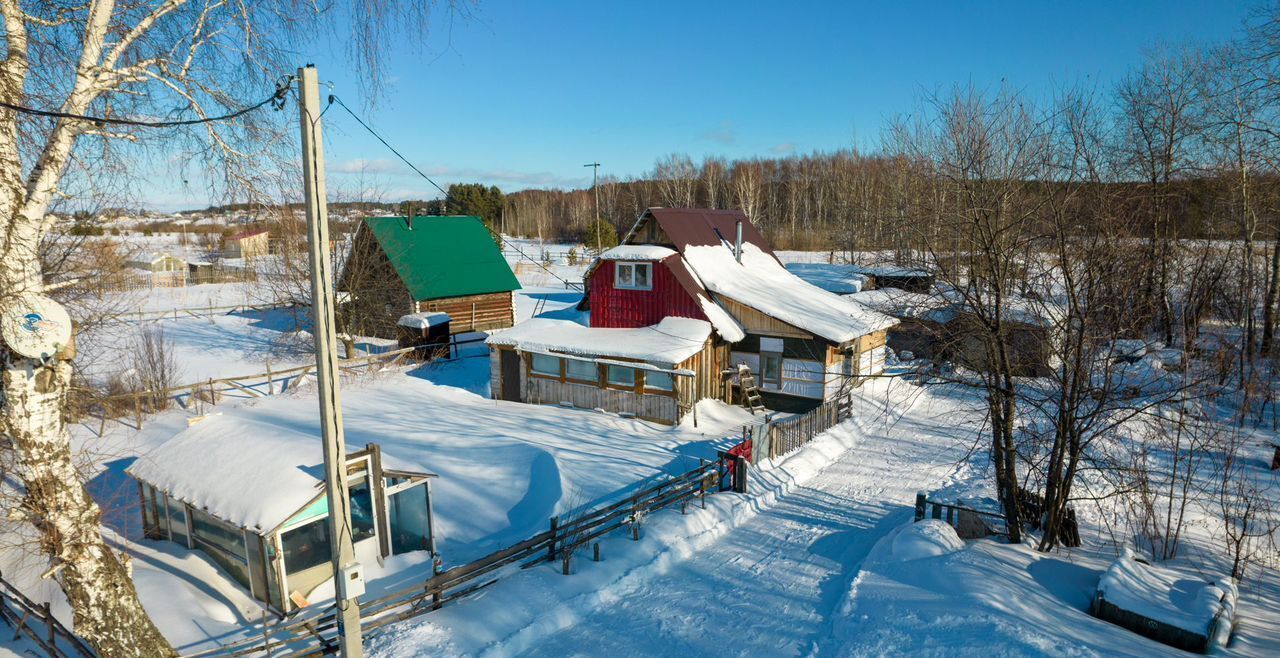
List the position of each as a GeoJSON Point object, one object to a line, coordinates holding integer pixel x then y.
{"type": "Point", "coordinates": [250, 496]}
{"type": "Point", "coordinates": [687, 298]}
{"type": "Point", "coordinates": [427, 264]}
{"type": "Point", "coordinates": [246, 245]}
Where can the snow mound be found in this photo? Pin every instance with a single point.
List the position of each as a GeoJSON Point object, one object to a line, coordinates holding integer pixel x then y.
{"type": "Point", "coordinates": [1167, 596]}
{"type": "Point", "coordinates": [928, 538]}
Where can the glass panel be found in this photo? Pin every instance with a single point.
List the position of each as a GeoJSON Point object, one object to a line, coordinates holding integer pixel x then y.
{"type": "Point", "coordinates": [178, 522]}
{"type": "Point", "coordinates": [642, 275]}
{"type": "Point", "coordinates": [306, 546]}
{"type": "Point", "coordinates": [546, 365]}
{"type": "Point", "coordinates": [658, 380]}
{"type": "Point", "coordinates": [622, 376]}
{"type": "Point", "coordinates": [258, 572]}
{"type": "Point", "coordinates": [624, 275]}
{"type": "Point", "coordinates": [772, 367]}
{"type": "Point", "coordinates": [583, 371]}
{"type": "Point", "coordinates": [150, 524]}
{"type": "Point", "coordinates": [409, 520]}
{"type": "Point", "coordinates": [223, 542]}
{"type": "Point", "coordinates": [361, 510]}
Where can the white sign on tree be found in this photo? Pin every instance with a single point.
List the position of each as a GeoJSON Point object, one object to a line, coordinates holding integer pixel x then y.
{"type": "Point", "coordinates": [35, 326]}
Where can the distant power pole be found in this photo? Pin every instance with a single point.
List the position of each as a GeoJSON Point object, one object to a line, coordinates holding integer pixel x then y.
{"type": "Point", "coordinates": [342, 553]}
{"type": "Point", "coordinates": [595, 169]}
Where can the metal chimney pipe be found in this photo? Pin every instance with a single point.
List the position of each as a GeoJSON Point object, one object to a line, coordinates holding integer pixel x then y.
{"type": "Point", "coordinates": [737, 242]}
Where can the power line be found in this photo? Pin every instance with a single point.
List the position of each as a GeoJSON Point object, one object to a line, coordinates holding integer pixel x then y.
{"type": "Point", "coordinates": [276, 99]}
{"type": "Point", "coordinates": [333, 98]}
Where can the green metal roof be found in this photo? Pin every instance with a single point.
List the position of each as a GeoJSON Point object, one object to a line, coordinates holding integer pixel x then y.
{"type": "Point", "coordinates": [443, 256]}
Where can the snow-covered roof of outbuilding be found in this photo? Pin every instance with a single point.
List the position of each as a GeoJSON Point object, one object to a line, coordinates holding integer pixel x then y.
{"type": "Point", "coordinates": [637, 252]}
{"type": "Point", "coordinates": [423, 320]}
{"type": "Point", "coordinates": [247, 472]}
{"type": "Point", "coordinates": [668, 343]}
{"type": "Point", "coordinates": [762, 283]}
{"type": "Point", "coordinates": [902, 304]}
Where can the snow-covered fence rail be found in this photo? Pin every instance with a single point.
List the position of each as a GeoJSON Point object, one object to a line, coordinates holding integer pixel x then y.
{"type": "Point", "coordinates": [191, 312]}
{"type": "Point", "coordinates": [313, 633]}
{"type": "Point", "coordinates": [775, 438]}
{"type": "Point", "coordinates": [36, 622]}
{"type": "Point", "coordinates": [212, 391]}
{"type": "Point", "coordinates": [967, 521]}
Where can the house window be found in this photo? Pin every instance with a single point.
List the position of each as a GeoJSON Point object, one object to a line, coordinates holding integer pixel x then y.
{"type": "Point", "coordinates": [658, 381]}
{"type": "Point", "coordinates": [582, 371]}
{"type": "Point", "coordinates": [633, 276]}
{"type": "Point", "coordinates": [772, 369]}
{"type": "Point", "coordinates": [547, 366]}
{"type": "Point", "coordinates": [622, 376]}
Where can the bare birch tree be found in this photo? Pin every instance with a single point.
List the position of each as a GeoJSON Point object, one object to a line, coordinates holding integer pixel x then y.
{"type": "Point", "coordinates": [187, 59]}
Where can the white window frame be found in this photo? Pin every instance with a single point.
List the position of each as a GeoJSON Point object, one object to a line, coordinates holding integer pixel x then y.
{"type": "Point", "coordinates": [631, 268]}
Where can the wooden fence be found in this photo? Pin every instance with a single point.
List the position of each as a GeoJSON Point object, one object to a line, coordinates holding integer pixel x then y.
{"type": "Point", "coordinates": [35, 621]}
{"type": "Point", "coordinates": [774, 438]}
{"type": "Point", "coordinates": [314, 633]}
{"type": "Point", "coordinates": [190, 312]}
{"type": "Point", "coordinates": [966, 520]}
{"type": "Point", "coordinates": [137, 404]}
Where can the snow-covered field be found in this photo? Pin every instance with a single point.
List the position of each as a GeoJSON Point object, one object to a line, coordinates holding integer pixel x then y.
{"type": "Point", "coordinates": [818, 559]}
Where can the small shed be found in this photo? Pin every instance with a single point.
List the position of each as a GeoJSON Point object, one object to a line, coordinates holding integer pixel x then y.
{"type": "Point", "coordinates": [162, 268]}
{"type": "Point", "coordinates": [246, 245]}
{"type": "Point", "coordinates": [250, 496]}
{"type": "Point", "coordinates": [445, 264]}
{"type": "Point", "coordinates": [429, 332]}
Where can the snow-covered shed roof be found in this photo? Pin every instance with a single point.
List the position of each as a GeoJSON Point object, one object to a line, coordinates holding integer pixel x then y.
{"type": "Point", "coordinates": [838, 278]}
{"type": "Point", "coordinates": [762, 283]}
{"type": "Point", "coordinates": [423, 320]}
{"type": "Point", "coordinates": [647, 252]}
{"type": "Point", "coordinates": [247, 472]}
{"type": "Point", "coordinates": [903, 304]}
{"type": "Point", "coordinates": [667, 343]}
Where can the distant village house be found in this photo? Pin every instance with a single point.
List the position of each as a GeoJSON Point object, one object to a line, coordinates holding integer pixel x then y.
{"type": "Point", "coordinates": [246, 245]}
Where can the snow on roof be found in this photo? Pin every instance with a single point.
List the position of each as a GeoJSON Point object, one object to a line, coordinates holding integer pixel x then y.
{"type": "Point", "coordinates": [890, 270]}
{"type": "Point", "coordinates": [247, 472]}
{"type": "Point", "coordinates": [902, 304]}
{"type": "Point", "coordinates": [423, 320]}
{"type": "Point", "coordinates": [840, 279]}
{"type": "Point", "coordinates": [1164, 594]}
{"type": "Point", "coordinates": [669, 342]}
{"type": "Point", "coordinates": [762, 283]}
{"type": "Point", "coordinates": [637, 252]}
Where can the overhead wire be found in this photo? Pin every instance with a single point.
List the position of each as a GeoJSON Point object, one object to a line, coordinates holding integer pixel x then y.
{"type": "Point", "coordinates": [276, 99]}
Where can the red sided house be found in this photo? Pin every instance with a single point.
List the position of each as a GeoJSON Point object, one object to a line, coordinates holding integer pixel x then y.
{"type": "Point", "coordinates": [689, 298]}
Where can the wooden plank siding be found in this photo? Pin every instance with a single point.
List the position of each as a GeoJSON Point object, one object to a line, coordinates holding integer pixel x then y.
{"type": "Point", "coordinates": [657, 406]}
{"type": "Point", "coordinates": [474, 312]}
{"type": "Point", "coordinates": [755, 322]}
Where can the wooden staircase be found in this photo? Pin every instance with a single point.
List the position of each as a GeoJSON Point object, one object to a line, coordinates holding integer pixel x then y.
{"type": "Point", "coordinates": [750, 392]}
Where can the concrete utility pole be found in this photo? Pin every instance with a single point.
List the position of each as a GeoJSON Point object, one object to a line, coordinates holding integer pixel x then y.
{"type": "Point", "coordinates": [595, 169]}
{"type": "Point", "coordinates": [335, 453]}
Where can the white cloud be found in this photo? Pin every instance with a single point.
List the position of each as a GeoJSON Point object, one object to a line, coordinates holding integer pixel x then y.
{"type": "Point", "coordinates": [783, 148]}
{"type": "Point", "coordinates": [723, 135]}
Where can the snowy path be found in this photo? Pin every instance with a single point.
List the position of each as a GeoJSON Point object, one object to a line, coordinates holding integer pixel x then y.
{"type": "Point", "coordinates": [771, 586]}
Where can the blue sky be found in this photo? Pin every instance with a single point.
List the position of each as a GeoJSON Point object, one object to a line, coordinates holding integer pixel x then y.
{"type": "Point", "coordinates": [523, 93]}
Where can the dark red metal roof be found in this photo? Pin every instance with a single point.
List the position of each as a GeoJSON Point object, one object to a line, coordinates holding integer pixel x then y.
{"type": "Point", "coordinates": [703, 227]}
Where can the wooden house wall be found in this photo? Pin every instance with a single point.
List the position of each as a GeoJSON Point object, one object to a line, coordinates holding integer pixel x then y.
{"type": "Point", "coordinates": [709, 380]}
{"type": "Point", "coordinates": [626, 309]}
{"type": "Point", "coordinates": [755, 322]}
{"type": "Point", "coordinates": [494, 310]}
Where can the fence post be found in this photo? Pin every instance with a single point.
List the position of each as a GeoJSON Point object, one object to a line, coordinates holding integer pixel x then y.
{"type": "Point", "coordinates": [48, 624]}
{"type": "Point", "coordinates": [555, 525]}
{"type": "Point", "coordinates": [739, 474]}
{"type": "Point", "coordinates": [565, 561]}
{"type": "Point", "coordinates": [920, 504]}
{"type": "Point", "coordinates": [137, 410]}
{"type": "Point", "coordinates": [635, 522]}
{"type": "Point", "coordinates": [596, 549]}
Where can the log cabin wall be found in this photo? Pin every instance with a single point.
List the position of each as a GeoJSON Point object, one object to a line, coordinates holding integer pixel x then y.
{"type": "Point", "coordinates": [474, 312]}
